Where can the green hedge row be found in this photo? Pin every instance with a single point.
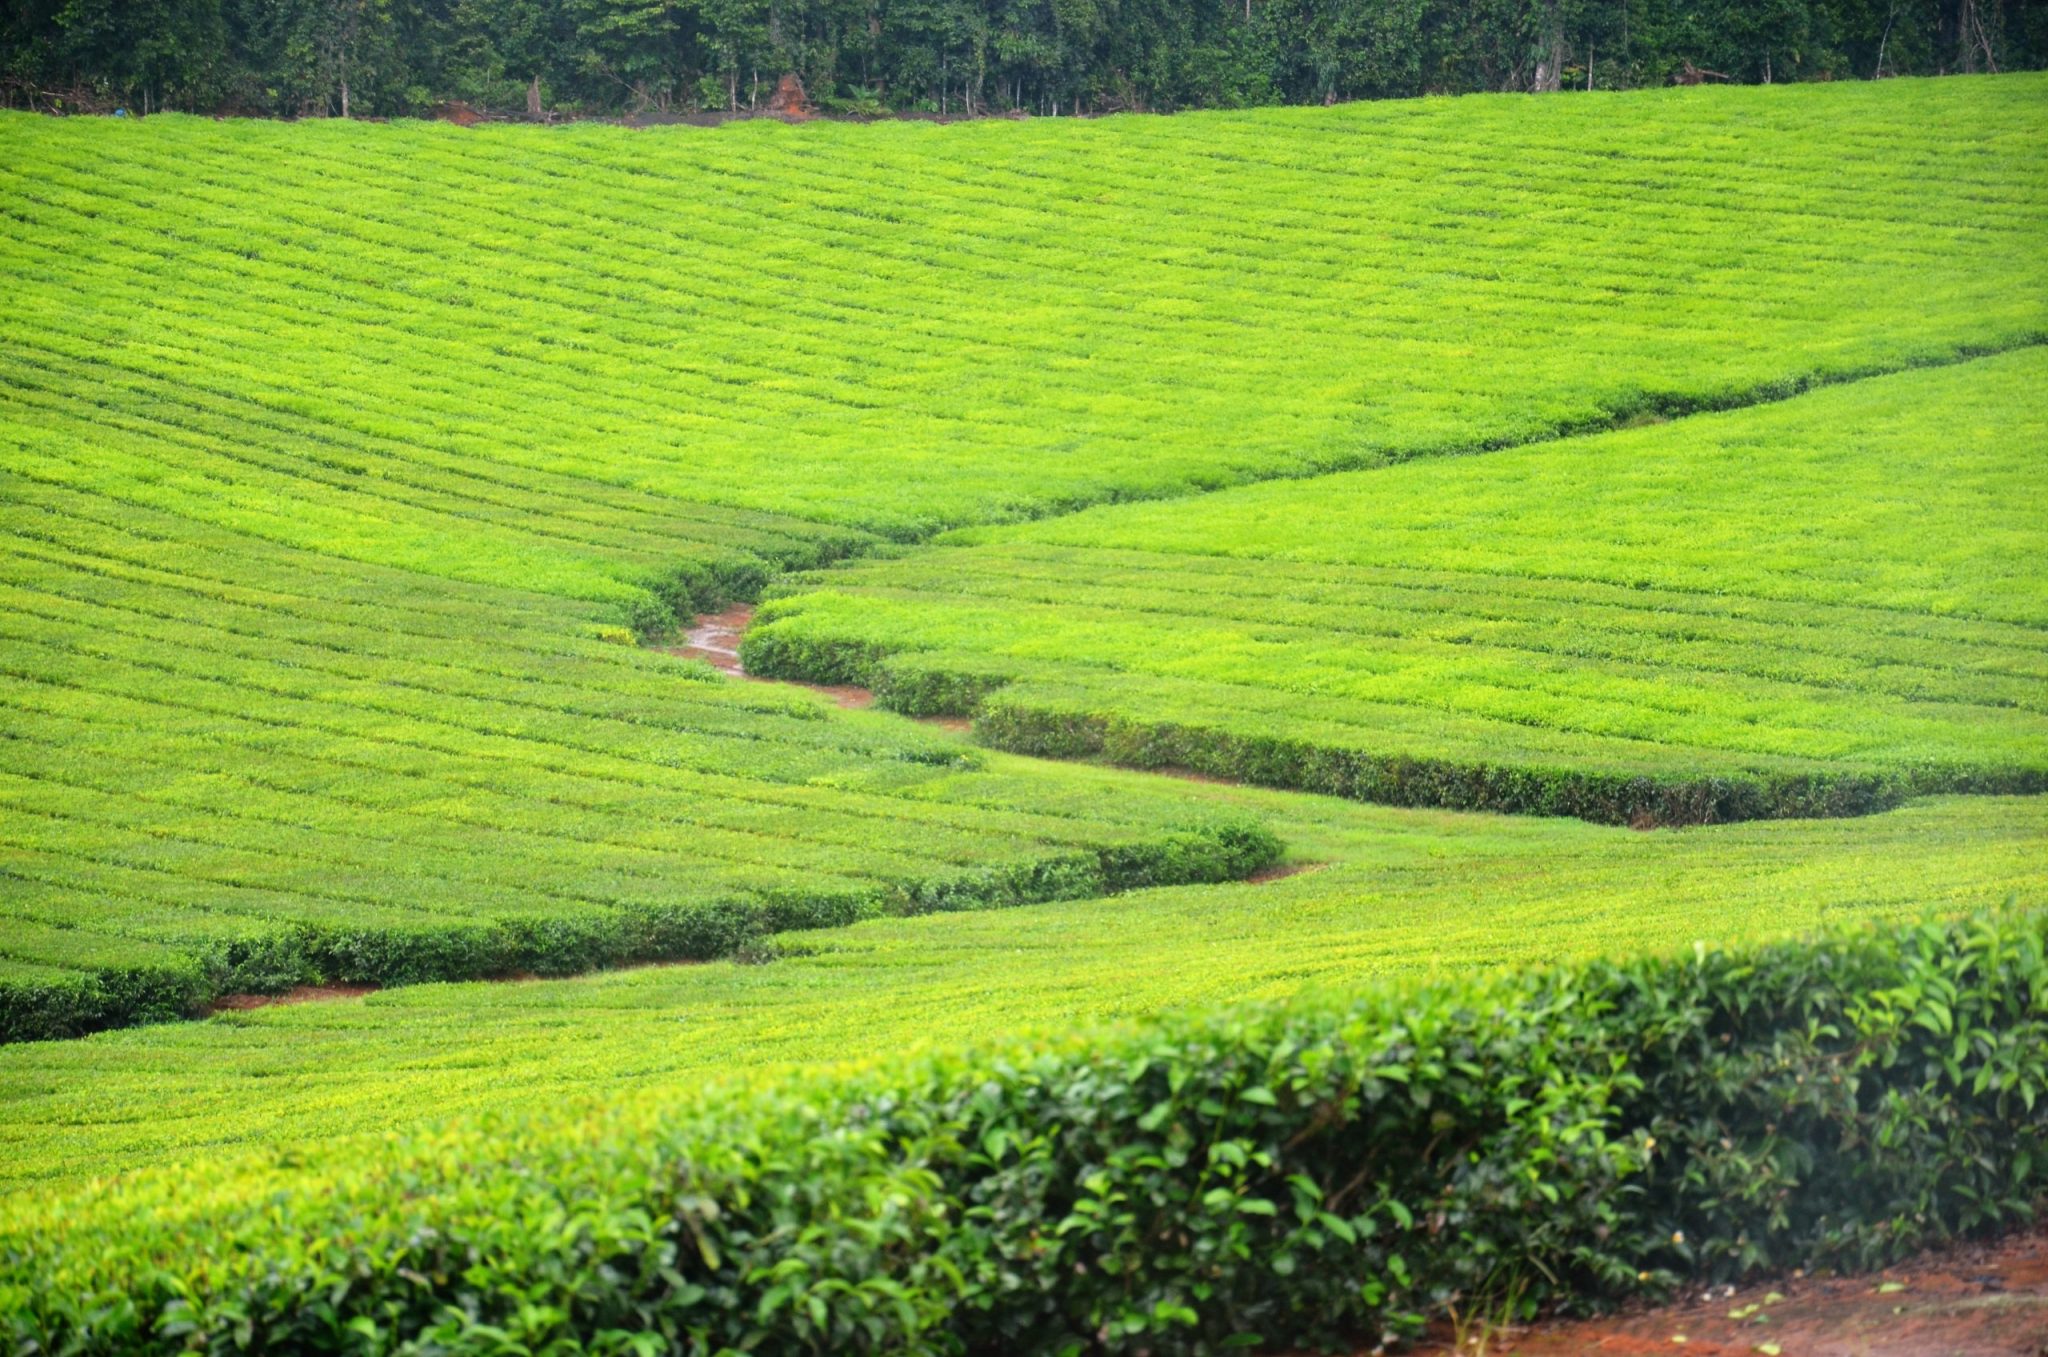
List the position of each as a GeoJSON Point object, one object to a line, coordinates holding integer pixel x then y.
{"type": "Point", "coordinates": [1021, 726]}
{"type": "Point", "coordinates": [70, 1003]}
{"type": "Point", "coordinates": [672, 598]}
{"type": "Point", "coordinates": [1317, 1173]}
{"type": "Point", "coordinates": [1401, 780]}
{"type": "Point", "coordinates": [329, 953]}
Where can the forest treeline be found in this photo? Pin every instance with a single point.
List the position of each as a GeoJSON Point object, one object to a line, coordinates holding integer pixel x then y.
{"type": "Point", "coordinates": [955, 57]}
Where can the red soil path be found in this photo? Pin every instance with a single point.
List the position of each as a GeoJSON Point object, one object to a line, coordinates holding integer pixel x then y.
{"type": "Point", "coordinates": [1988, 1300]}
{"type": "Point", "coordinates": [715, 639]}
{"type": "Point", "coordinates": [304, 994]}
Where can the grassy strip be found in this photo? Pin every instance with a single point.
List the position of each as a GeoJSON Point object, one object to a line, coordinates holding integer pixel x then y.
{"type": "Point", "coordinates": [1285, 1176]}
{"type": "Point", "coordinates": [44, 1003]}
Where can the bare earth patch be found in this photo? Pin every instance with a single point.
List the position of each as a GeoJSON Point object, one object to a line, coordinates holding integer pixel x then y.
{"type": "Point", "coordinates": [715, 639]}
{"type": "Point", "coordinates": [304, 994]}
{"type": "Point", "coordinates": [1979, 1300]}
{"type": "Point", "coordinates": [1283, 870]}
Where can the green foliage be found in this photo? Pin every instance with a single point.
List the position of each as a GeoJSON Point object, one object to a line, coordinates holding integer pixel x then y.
{"type": "Point", "coordinates": [324, 515]}
{"type": "Point", "coordinates": [969, 57]}
{"type": "Point", "coordinates": [537, 357]}
{"type": "Point", "coordinates": [1817, 607]}
{"type": "Point", "coordinates": [40, 1002]}
{"type": "Point", "coordinates": [1387, 894]}
{"type": "Point", "coordinates": [336, 462]}
{"type": "Point", "coordinates": [234, 767]}
{"type": "Point", "coordinates": [1299, 1174]}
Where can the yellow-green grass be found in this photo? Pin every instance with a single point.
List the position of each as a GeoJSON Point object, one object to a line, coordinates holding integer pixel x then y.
{"type": "Point", "coordinates": [1395, 893]}
{"type": "Point", "coordinates": [491, 352]}
{"type": "Point", "coordinates": [1838, 599]}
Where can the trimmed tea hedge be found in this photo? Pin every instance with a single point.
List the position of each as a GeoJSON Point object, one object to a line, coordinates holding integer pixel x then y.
{"type": "Point", "coordinates": [40, 1002]}
{"type": "Point", "coordinates": [1817, 607]}
{"type": "Point", "coordinates": [1393, 894]}
{"type": "Point", "coordinates": [1269, 1177]}
{"type": "Point", "coordinates": [1619, 798]}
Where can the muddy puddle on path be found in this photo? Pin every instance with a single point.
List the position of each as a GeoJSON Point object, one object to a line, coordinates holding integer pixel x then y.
{"type": "Point", "coordinates": [1980, 1300]}
{"type": "Point", "coordinates": [715, 639]}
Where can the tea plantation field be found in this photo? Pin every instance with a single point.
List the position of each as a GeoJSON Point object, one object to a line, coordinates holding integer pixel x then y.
{"type": "Point", "coordinates": [1816, 606]}
{"type": "Point", "coordinates": [434, 334]}
{"type": "Point", "coordinates": [234, 766]}
{"type": "Point", "coordinates": [1383, 893]}
{"type": "Point", "coordinates": [1543, 467]}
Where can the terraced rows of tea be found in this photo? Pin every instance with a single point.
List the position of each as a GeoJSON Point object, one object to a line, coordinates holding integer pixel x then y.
{"type": "Point", "coordinates": [235, 766]}
{"type": "Point", "coordinates": [339, 462]}
{"type": "Point", "coordinates": [1813, 607]}
{"type": "Point", "coordinates": [1375, 894]}
{"type": "Point", "coordinates": [442, 332]}
{"type": "Point", "coordinates": [1647, 459]}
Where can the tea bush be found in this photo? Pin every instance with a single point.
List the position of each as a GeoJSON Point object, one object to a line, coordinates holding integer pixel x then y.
{"type": "Point", "coordinates": [1314, 1172]}
{"type": "Point", "coordinates": [1381, 894]}
{"type": "Point", "coordinates": [1818, 607]}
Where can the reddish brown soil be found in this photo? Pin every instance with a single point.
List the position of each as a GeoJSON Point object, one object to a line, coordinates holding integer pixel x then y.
{"type": "Point", "coordinates": [789, 99]}
{"type": "Point", "coordinates": [304, 994]}
{"type": "Point", "coordinates": [844, 694]}
{"type": "Point", "coordinates": [1985, 1300]}
{"type": "Point", "coordinates": [715, 639]}
{"type": "Point", "coordinates": [1281, 871]}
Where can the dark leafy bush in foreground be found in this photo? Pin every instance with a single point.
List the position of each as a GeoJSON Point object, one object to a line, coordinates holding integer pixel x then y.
{"type": "Point", "coordinates": [1316, 1172]}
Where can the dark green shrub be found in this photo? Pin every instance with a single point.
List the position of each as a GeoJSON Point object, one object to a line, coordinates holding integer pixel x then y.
{"type": "Point", "coordinates": [1317, 1172]}
{"type": "Point", "coordinates": [1402, 780]}
{"type": "Point", "coordinates": [70, 1004]}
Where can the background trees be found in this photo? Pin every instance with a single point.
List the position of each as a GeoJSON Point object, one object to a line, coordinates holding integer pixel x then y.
{"type": "Point", "coordinates": [385, 57]}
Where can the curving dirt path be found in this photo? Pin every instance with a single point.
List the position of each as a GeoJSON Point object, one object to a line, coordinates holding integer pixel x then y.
{"type": "Point", "coordinates": [715, 639]}
{"type": "Point", "coordinates": [1977, 1300]}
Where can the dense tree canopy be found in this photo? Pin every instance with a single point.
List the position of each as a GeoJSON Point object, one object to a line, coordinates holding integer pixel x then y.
{"type": "Point", "coordinates": [313, 57]}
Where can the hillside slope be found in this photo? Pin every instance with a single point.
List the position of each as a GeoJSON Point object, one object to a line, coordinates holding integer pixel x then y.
{"type": "Point", "coordinates": [1380, 893]}
{"type": "Point", "coordinates": [1812, 607]}
{"type": "Point", "coordinates": [905, 326]}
